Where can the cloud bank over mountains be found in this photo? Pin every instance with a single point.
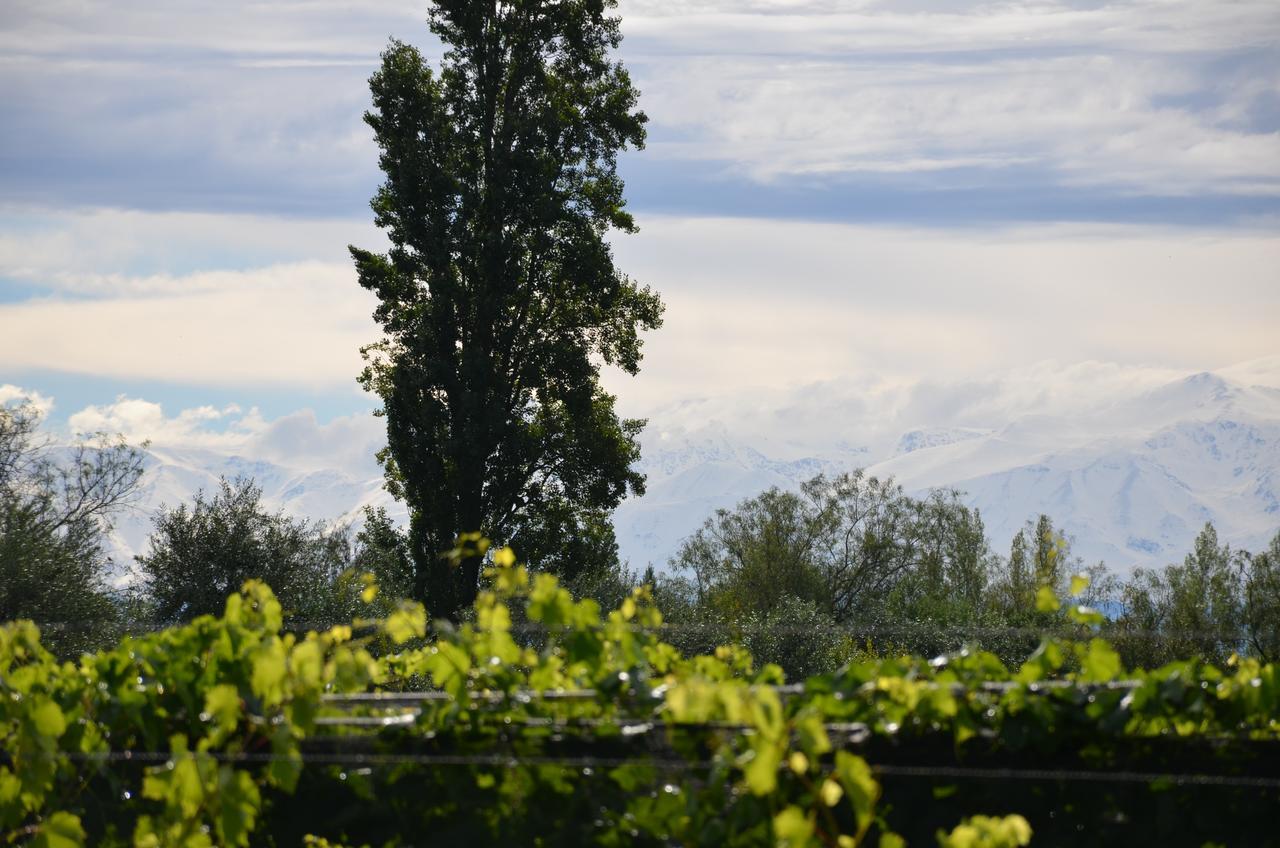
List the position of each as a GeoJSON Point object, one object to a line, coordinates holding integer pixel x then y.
{"type": "Point", "coordinates": [752, 304]}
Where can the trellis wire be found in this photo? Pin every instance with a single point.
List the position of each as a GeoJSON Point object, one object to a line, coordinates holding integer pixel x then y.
{"type": "Point", "coordinates": [589, 764]}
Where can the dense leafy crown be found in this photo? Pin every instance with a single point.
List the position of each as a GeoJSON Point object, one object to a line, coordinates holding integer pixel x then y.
{"type": "Point", "coordinates": [499, 297]}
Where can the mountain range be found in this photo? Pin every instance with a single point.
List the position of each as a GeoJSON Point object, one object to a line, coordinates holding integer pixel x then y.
{"type": "Point", "coordinates": [1129, 466]}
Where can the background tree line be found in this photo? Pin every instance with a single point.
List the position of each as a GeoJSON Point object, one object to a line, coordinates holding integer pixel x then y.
{"type": "Point", "coordinates": [844, 566]}
{"type": "Point", "coordinates": [854, 564]}
{"type": "Point", "coordinates": [57, 504]}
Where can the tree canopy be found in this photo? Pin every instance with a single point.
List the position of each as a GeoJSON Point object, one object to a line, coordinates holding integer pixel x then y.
{"type": "Point", "coordinates": [56, 506]}
{"type": "Point", "coordinates": [199, 554]}
{"type": "Point", "coordinates": [498, 298]}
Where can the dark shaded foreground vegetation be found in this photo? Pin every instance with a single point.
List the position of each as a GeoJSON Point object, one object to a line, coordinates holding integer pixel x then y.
{"type": "Point", "coordinates": [542, 721]}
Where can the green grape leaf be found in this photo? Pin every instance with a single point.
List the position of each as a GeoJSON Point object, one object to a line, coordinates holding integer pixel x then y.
{"type": "Point", "coordinates": [812, 733]}
{"type": "Point", "coordinates": [987, 832]}
{"type": "Point", "coordinates": [286, 765]}
{"type": "Point", "coordinates": [449, 666]}
{"type": "Point", "coordinates": [860, 786]}
{"type": "Point", "coordinates": [408, 622]}
{"type": "Point", "coordinates": [307, 664]}
{"type": "Point", "coordinates": [10, 788]}
{"type": "Point", "coordinates": [222, 705]}
{"type": "Point", "coordinates": [1100, 662]}
{"type": "Point", "coordinates": [267, 678]}
{"type": "Point", "coordinates": [60, 830]}
{"type": "Point", "coordinates": [1046, 600]}
{"type": "Point", "coordinates": [1045, 662]}
{"type": "Point", "coordinates": [761, 770]}
{"type": "Point", "coordinates": [238, 802]}
{"type": "Point", "coordinates": [792, 827]}
{"type": "Point", "coordinates": [548, 603]}
{"type": "Point", "coordinates": [48, 720]}
{"type": "Point", "coordinates": [1087, 616]}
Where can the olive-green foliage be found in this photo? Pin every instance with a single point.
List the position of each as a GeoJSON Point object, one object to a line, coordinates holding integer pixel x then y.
{"type": "Point", "coordinates": [852, 554]}
{"type": "Point", "coordinates": [55, 510]}
{"type": "Point", "coordinates": [793, 634]}
{"type": "Point", "coordinates": [1039, 556]}
{"type": "Point", "coordinates": [1213, 604]}
{"type": "Point", "coordinates": [879, 572]}
{"type": "Point", "coordinates": [199, 554]}
{"type": "Point", "coordinates": [1261, 607]}
{"type": "Point", "coordinates": [775, 545]}
{"type": "Point", "coordinates": [499, 299]}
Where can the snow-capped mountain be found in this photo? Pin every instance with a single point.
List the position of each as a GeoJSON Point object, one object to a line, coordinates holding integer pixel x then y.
{"type": "Point", "coordinates": [1131, 477]}
{"type": "Point", "coordinates": [1130, 466]}
{"type": "Point", "coordinates": [174, 475]}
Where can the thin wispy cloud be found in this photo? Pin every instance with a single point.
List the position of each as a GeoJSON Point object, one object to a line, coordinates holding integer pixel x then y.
{"type": "Point", "coordinates": [244, 106]}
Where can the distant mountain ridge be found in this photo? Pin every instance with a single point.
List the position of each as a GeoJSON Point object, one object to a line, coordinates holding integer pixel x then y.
{"type": "Point", "coordinates": [1131, 476]}
{"type": "Point", "coordinates": [1131, 479]}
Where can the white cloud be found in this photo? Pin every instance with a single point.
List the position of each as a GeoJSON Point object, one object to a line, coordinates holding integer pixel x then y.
{"type": "Point", "coordinates": [195, 28]}
{"type": "Point", "coordinates": [113, 252]}
{"type": "Point", "coordinates": [728, 26]}
{"type": "Point", "coordinates": [299, 324]}
{"type": "Point", "coordinates": [813, 418]}
{"type": "Point", "coordinates": [257, 105]}
{"type": "Point", "coordinates": [295, 441]}
{"type": "Point", "coordinates": [1082, 119]}
{"type": "Point", "coordinates": [767, 303]}
{"type": "Point", "coordinates": [750, 303]}
{"type": "Point", "coordinates": [11, 395]}
{"type": "Point", "coordinates": [1136, 96]}
{"type": "Point", "coordinates": [140, 420]}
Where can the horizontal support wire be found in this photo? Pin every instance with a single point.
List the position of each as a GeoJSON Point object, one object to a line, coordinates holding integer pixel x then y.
{"type": "Point", "coordinates": [1077, 775]}
{"type": "Point", "coordinates": [527, 696]}
{"type": "Point", "coordinates": [413, 701]}
{"type": "Point", "coordinates": [728, 631]}
{"type": "Point", "coordinates": [588, 764]}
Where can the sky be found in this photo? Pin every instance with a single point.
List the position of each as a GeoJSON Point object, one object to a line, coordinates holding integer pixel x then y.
{"type": "Point", "coordinates": [869, 192]}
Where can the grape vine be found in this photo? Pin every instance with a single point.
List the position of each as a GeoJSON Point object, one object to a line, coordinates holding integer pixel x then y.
{"type": "Point", "coordinates": [580, 726]}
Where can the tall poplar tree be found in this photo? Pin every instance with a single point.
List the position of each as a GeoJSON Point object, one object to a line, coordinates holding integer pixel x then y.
{"type": "Point", "coordinates": [499, 298]}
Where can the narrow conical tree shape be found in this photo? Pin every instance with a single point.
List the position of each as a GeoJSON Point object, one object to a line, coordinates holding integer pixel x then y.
{"type": "Point", "coordinates": [499, 298]}
{"type": "Point", "coordinates": [1021, 586]}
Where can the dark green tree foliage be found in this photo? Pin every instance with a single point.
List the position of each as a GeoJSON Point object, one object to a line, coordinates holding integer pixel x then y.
{"type": "Point", "coordinates": [1198, 607]}
{"type": "Point", "coordinates": [855, 549]}
{"type": "Point", "coordinates": [499, 297]}
{"type": "Point", "coordinates": [199, 554]}
{"type": "Point", "coordinates": [950, 566]}
{"type": "Point", "coordinates": [381, 549]}
{"type": "Point", "coordinates": [1261, 604]}
{"type": "Point", "coordinates": [1039, 556]}
{"type": "Point", "coordinates": [55, 511]}
{"type": "Point", "coordinates": [1018, 588]}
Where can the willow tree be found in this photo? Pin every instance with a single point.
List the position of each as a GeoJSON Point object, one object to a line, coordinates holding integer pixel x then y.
{"type": "Point", "coordinates": [499, 299]}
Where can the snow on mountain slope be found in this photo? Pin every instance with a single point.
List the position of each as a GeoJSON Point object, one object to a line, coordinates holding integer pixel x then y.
{"type": "Point", "coordinates": [174, 475]}
{"type": "Point", "coordinates": [1132, 482]}
{"type": "Point", "coordinates": [1130, 463]}
{"type": "Point", "coordinates": [922, 438]}
{"type": "Point", "coordinates": [1131, 476]}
